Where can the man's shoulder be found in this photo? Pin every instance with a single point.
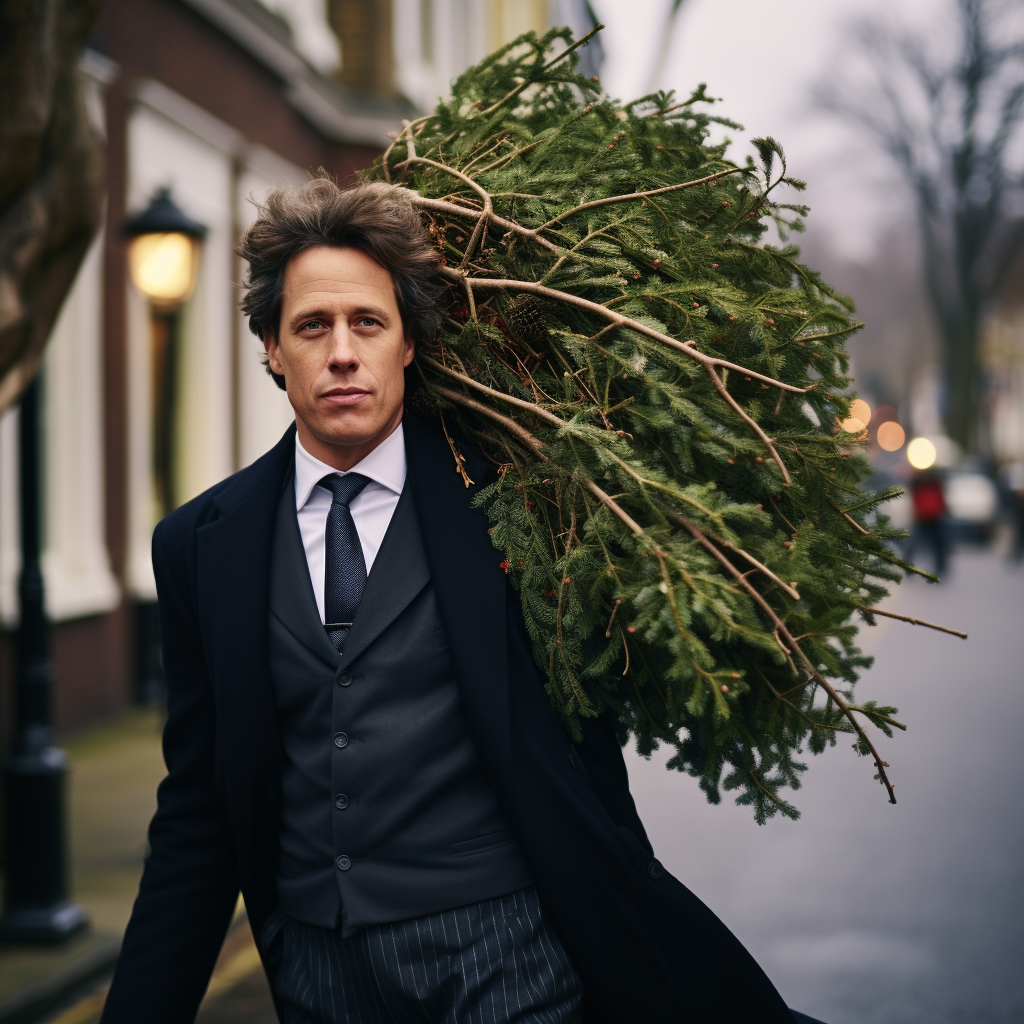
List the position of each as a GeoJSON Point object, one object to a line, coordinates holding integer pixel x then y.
{"type": "Point", "coordinates": [181, 524]}
{"type": "Point", "coordinates": [428, 438]}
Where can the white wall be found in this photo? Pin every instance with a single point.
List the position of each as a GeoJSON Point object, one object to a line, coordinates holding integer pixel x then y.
{"type": "Point", "coordinates": [464, 32]}
{"type": "Point", "coordinates": [161, 152]}
{"type": "Point", "coordinates": [211, 171]}
{"type": "Point", "coordinates": [76, 566]}
{"type": "Point", "coordinates": [459, 40]}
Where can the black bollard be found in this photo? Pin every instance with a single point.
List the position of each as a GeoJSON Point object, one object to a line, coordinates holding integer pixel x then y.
{"type": "Point", "coordinates": [37, 903]}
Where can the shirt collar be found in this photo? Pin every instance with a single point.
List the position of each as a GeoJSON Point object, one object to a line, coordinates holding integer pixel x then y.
{"type": "Point", "coordinates": [385, 465]}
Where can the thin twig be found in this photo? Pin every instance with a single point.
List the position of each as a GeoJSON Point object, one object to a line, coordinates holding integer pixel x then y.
{"type": "Point", "coordinates": [908, 618]}
{"type": "Point", "coordinates": [510, 425]}
{"type": "Point", "coordinates": [765, 439]}
{"type": "Point", "coordinates": [554, 420]}
{"type": "Point", "coordinates": [582, 41]}
{"type": "Point", "coordinates": [639, 195]}
{"type": "Point", "coordinates": [853, 522]}
{"type": "Point", "coordinates": [617, 318]}
{"type": "Point", "coordinates": [442, 206]}
{"type": "Point", "coordinates": [793, 593]}
{"type": "Point", "coordinates": [780, 627]}
{"type": "Point", "coordinates": [708, 362]}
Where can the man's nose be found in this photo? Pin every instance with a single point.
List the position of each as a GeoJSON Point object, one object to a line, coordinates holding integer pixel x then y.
{"type": "Point", "coordinates": [343, 354]}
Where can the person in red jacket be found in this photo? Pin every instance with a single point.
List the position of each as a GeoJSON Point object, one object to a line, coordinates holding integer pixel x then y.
{"type": "Point", "coordinates": [930, 518]}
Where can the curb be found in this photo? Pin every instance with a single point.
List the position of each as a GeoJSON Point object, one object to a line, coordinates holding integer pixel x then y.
{"type": "Point", "coordinates": [29, 1006]}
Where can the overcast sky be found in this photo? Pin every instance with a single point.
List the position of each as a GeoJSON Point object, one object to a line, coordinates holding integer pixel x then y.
{"type": "Point", "coordinates": [762, 60]}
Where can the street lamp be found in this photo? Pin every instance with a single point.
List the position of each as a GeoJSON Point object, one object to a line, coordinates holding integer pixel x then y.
{"type": "Point", "coordinates": [37, 904]}
{"type": "Point", "coordinates": [163, 257]}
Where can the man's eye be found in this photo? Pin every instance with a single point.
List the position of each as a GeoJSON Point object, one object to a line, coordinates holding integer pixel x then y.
{"type": "Point", "coordinates": [367, 321]}
{"type": "Point", "coordinates": [313, 325]}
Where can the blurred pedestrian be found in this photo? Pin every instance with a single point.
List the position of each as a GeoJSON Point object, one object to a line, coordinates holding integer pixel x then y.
{"type": "Point", "coordinates": [931, 519]}
{"type": "Point", "coordinates": [1013, 482]}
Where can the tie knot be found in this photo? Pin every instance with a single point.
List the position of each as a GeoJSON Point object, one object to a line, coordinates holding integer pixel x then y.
{"type": "Point", "coordinates": [344, 488]}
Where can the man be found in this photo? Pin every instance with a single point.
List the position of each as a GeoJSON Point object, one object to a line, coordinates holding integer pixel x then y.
{"type": "Point", "coordinates": [357, 737]}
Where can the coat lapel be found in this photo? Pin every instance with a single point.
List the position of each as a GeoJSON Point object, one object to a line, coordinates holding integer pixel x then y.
{"type": "Point", "coordinates": [470, 585]}
{"type": "Point", "coordinates": [233, 568]}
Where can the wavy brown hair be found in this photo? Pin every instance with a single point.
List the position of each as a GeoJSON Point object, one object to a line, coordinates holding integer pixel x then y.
{"type": "Point", "coordinates": [375, 218]}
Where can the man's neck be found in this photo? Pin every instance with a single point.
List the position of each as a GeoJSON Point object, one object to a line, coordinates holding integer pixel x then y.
{"type": "Point", "coordinates": [343, 457]}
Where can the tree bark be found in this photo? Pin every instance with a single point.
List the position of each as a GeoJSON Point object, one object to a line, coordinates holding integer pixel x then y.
{"type": "Point", "coordinates": [51, 175]}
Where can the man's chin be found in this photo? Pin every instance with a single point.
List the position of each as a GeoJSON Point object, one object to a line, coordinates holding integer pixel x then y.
{"type": "Point", "coordinates": [351, 432]}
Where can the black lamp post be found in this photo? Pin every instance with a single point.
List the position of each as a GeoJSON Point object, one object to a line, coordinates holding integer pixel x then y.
{"type": "Point", "coordinates": [163, 256]}
{"type": "Point", "coordinates": [37, 904]}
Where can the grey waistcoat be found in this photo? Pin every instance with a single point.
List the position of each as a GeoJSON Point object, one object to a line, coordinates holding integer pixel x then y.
{"type": "Point", "coordinates": [386, 814]}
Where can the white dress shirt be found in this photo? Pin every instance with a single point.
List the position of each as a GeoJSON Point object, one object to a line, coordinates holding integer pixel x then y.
{"type": "Point", "coordinates": [372, 508]}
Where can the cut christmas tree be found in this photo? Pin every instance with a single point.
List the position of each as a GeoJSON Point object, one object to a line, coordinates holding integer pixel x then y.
{"type": "Point", "coordinates": [660, 390]}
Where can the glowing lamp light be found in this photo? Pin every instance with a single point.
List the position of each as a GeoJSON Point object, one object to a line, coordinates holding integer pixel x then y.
{"type": "Point", "coordinates": [163, 267]}
{"type": "Point", "coordinates": [163, 252]}
{"type": "Point", "coordinates": [860, 410]}
{"type": "Point", "coordinates": [921, 453]}
{"type": "Point", "coordinates": [891, 435]}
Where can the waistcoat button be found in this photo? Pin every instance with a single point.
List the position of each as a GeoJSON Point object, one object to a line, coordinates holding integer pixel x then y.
{"type": "Point", "coordinates": [341, 739]}
{"type": "Point", "coordinates": [344, 863]}
{"type": "Point", "coordinates": [655, 869]}
{"type": "Point", "coordinates": [341, 801]}
{"type": "Point", "coordinates": [345, 678]}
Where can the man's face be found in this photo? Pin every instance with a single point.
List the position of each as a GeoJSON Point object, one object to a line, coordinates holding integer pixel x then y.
{"type": "Point", "coordinates": [342, 349]}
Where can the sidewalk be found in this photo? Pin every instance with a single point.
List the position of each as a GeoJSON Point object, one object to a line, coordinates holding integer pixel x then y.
{"type": "Point", "coordinates": [115, 770]}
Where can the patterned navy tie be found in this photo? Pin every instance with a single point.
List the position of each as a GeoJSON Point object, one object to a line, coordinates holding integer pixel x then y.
{"type": "Point", "coordinates": [344, 566]}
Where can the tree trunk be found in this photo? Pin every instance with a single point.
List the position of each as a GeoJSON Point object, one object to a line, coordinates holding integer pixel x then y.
{"type": "Point", "coordinates": [961, 380]}
{"type": "Point", "coordinates": [51, 175]}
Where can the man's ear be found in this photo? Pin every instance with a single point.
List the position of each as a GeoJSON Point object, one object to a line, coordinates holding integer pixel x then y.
{"type": "Point", "coordinates": [410, 350]}
{"type": "Point", "coordinates": [273, 350]}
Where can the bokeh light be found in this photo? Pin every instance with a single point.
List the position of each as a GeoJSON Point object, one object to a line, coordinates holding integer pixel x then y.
{"type": "Point", "coordinates": [163, 266]}
{"type": "Point", "coordinates": [921, 453]}
{"type": "Point", "coordinates": [890, 436]}
{"type": "Point", "coordinates": [853, 425]}
{"type": "Point", "coordinates": [860, 410]}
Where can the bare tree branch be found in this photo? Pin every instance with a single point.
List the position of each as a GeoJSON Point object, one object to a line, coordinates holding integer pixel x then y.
{"type": "Point", "coordinates": [951, 127]}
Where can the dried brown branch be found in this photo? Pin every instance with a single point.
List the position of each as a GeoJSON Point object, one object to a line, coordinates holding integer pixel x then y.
{"type": "Point", "coordinates": [780, 628]}
{"type": "Point", "coordinates": [911, 620]}
{"type": "Point", "coordinates": [558, 422]}
{"type": "Point", "coordinates": [510, 425]}
{"type": "Point", "coordinates": [582, 41]}
{"type": "Point", "coordinates": [793, 593]}
{"type": "Point", "coordinates": [487, 214]}
{"type": "Point", "coordinates": [619, 320]}
{"type": "Point", "coordinates": [765, 439]}
{"type": "Point", "coordinates": [639, 195]}
{"type": "Point", "coordinates": [443, 206]}
{"type": "Point", "coordinates": [853, 522]}
{"type": "Point", "coordinates": [501, 395]}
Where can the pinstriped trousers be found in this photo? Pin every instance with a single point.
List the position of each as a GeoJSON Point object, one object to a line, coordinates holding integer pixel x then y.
{"type": "Point", "coordinates": [486, 963]}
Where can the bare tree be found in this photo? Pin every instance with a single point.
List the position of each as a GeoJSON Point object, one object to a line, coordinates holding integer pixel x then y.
{"type": "Point", "coordinates": [51, 175]}
{"type": "Point", "coordinates": [949, 111]}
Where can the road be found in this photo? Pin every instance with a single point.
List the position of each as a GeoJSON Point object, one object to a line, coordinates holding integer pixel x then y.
{"type": "Point", "coordinates": [867, 913]}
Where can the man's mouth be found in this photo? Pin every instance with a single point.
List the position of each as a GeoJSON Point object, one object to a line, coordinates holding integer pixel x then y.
{"type": "Point", "coordinates": [345, 396]}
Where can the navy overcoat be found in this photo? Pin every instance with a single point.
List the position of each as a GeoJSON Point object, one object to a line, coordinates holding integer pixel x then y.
{"type": "Point", "coordinates": [646, 948]}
